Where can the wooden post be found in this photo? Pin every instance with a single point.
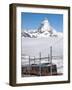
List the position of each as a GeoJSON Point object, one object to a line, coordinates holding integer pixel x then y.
{"type": "Point", "coordinates": [40, 63]}
{"type": "Point", "coordinates": [51, 59]}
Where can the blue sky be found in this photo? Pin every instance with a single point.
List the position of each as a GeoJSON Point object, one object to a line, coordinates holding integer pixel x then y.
{"type": "Point", "coordinates": [33, 20]}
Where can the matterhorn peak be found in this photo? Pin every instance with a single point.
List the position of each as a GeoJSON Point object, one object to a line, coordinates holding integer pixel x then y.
{"type": "Point", "coordinates": [45, 21]}
{"type": "Point", "coordinates": [45, 30]}
{"type": "Point", "coordinates": [45, 26]}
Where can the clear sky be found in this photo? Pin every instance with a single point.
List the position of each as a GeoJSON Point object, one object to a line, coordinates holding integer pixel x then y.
{"type": "Point", "coordinates": [33, 20]}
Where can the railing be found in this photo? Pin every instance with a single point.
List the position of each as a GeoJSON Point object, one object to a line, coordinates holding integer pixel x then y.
{"type": "Point", "coordinates": [39, 60]}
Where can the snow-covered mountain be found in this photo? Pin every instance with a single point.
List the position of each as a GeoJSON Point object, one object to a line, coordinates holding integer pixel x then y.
{"type": "Point", "coordinates": [45, 30]}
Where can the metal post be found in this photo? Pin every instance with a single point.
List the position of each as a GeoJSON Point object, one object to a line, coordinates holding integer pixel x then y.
{"type": "Point", "coordinates": [51, 59]}
{"type": "Point", "coordinates": [40, 63]}
{"type": "Point", "coordinates": [34, 59]}
{"type": "Point", "coordinates": [29, 66]}
{"type": "Point", "coordinates": [48, 58]}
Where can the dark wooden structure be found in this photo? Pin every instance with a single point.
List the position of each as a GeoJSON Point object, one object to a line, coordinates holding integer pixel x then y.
{"type": "Point", "coordinates": [44, 69]}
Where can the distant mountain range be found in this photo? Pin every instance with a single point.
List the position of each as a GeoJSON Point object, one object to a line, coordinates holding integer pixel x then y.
{"type": "Point", "coordinates": [45, 30]}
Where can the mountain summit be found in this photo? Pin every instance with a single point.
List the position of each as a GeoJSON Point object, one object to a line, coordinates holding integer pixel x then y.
{"type": "Point", "coordinates": [45, 26]}
{"type": "Point", "coordinates": [45, 30]}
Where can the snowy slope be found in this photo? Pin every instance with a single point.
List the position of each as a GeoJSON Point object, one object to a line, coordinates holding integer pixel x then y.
{"type": "Point", "coordinates": [33, 46]}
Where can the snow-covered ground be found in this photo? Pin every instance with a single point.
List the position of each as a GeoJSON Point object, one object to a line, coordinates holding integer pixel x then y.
{"type": "Point", "coordinates": [32, 47]}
